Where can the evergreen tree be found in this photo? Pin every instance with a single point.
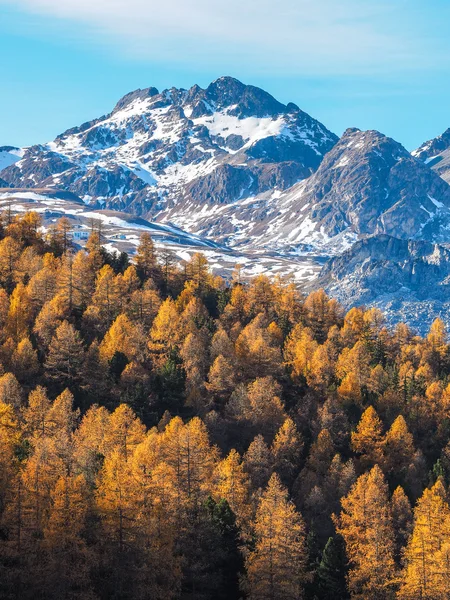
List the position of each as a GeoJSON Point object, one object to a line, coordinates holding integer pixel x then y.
{"type": "Point", "coordinates": [332, 571]}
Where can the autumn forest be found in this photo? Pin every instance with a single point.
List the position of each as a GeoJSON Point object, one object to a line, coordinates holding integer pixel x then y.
{"type": "Point", "coordinates": [166, 434]}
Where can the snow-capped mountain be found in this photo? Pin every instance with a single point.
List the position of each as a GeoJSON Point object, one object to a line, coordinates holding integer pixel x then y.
{"type": "Point", "coordinates": [231, 169]}
{"type": "Point", "coordinates": [231, 163]}
{"type": "Point", "coordinates": [172, 153]}
{"type": "Point", "coordinates": [366, 184]}
{"type": "Point", "coordinates": [436, 154]}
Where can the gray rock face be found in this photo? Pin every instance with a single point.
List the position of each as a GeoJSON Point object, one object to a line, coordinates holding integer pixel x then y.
{"type": "Point", "coordinates": [436, 154]}
{"type": "Point", "coordinates": [367, 184]}
{"type": "Point", "coordinates": [408, 280]}
{"type": "Point", "coordinates": [164, 155]}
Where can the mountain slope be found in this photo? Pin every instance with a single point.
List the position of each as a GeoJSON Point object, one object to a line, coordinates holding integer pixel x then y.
{"type": "Point", "coordinates": [436, 154]}
{"type": "Point", "coordinates": [9, 155]}
{"type": "Point", "coordinates": [171, 153]}
{"type": "Point", "coordinates": [408, 280]}
{"type": "Point", "coordinates": [366, 184]}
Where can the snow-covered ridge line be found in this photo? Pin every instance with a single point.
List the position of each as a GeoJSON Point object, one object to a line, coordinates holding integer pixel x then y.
{"type": "Point", "coordinates": [162, 155]}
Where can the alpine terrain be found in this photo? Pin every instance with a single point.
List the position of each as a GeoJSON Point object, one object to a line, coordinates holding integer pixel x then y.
{"type": "Point", "coordinates": [230, 169]}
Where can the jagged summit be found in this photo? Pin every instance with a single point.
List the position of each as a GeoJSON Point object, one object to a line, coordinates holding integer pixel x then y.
{"type": "Point", "coordinates": [436, 154]}
{"type": "Point", "coordinates": [223, 93]}
{"type": "Point", "coordinates": [167, 154]}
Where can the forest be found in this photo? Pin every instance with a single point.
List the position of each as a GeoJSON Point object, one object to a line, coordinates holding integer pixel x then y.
{"type": "Point", "coordinates": [166, 434]}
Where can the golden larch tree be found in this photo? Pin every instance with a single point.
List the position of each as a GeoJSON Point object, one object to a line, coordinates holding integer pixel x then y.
{"type": "Point", "coordinates": [427, 555]}
{"type": "Point", "coordinates": [276, 568]}
{"type": "Point", "coordinates": [366, 526]}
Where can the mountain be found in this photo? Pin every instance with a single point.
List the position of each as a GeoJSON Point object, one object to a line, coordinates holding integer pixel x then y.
{"type": "Point", "coordinates": [408, 280]}
{"type": "Point", "coordinates": [8, 156]}
{"type": "Point", "coordinates": [231, 170]}
{"type": "Point", "coordinates": [367, 184]}
{"type": "Point", "coordinates": [231, 163]}
{"type": "Point", "coordinates": [436, 154]}
{"type": "Point", "coordinates": [173, 153]}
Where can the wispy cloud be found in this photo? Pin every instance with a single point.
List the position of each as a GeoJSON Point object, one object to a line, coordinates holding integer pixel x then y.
{"type": "Point", "coordinates": [296, 36]}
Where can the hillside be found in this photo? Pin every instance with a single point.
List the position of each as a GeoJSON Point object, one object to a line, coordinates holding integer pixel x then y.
{"type": "Point", "coordinates": [166, 435]}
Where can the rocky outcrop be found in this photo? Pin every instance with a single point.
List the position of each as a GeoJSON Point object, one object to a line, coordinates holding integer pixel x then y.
{"type": "Point", "coordinates": [436, 154]}
{"type": "Point", "coordinates": [408, 280]}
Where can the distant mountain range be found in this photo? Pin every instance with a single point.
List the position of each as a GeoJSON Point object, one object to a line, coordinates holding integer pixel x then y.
{"type": "Point", "coordinates": [232, 164]}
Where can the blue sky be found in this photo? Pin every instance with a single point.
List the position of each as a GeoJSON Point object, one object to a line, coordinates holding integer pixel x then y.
{"type": "Point", "coordinates": [374, 64]}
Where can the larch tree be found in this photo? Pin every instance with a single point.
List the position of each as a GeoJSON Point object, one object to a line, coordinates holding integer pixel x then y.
{"type": "Point", "coordinates": [353, 368]}
{"type": "Point", "coordinates": [65, 359]}
{"type": "Point", "coordinates": [266, 408]}
{"type": "Point", "coordinates": [258, 462]}
{"type": "Point", "coordinates": [24, 362]}
{"type": "Point", "coordinates": [188, 450]}
{"type": "Point", "coordinates": [10, 391]}
{"type": "Point", "coordinates": [114, 499]}
{"type": "Point", "coordinates": [88, 442]}
{"type": "Point", "coordinates": [19, 314]}
{"type": "Point", "coordinates": [366, 525]}
{"type": "Point", "coordinates": [427, 556]}
{"type": "Point", "coordinates": [231, 482]}
{"type": "Point", "coordinates": [35, 414]}
{"type": "Point", "coordinates": [42, 286]}
{"type": "Point", "coordinates": [257, 354]}
{"type": "Point", "coordinates": [402, 519]}
{"type": "Point", "coordinates": [67, 568]}
{"type": "Point", "coordinates": [287, 449]}
{"type": "Point", "coordinates": [165, 331]}
{"type": "Point", "coordinates": [146, 256]}
{"type": "Point", "coordinates": [9, 255]}
{"type": "Point", "coordinates": [125, 337]}
{"type": "Point", "coordinates": [124, 433]}
{"type": "Point", "coordinates": [276, 567]}
{"type": "Point", "coordinates": [299, 352]}
{"type": "Point", "coordinates": [398, 448]}
{"type": "Point", "coordinates": [221, 377]}
{"type": "Point", "coordinates": [106, 301]}
{"type": "Point", "coordinates": [50, 317]}
{"type": "Point", "coordinates": [367, 440]}
{"type": "Point", "coordinates": [143, 306]}
{"type": "Point", "coordinates": [221, 345]}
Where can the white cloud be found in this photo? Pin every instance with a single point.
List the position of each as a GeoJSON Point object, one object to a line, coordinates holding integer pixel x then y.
{"type": "Point", "coordinates": [295, 36]}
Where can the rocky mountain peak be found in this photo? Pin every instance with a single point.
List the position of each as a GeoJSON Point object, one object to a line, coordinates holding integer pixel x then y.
{"type": "Point", "coordinates": [436, 154]}
{"type": "Point", "coordinates": [434, 147]}
{"type": "Point", "coordinates": [366, 184]}
{"type": "Point", "coordinates": [158, 153]}
{"type": "Point", "coordinates": [135, 95]}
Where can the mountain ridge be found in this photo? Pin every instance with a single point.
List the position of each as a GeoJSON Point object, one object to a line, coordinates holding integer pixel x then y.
{"type": "Point", "coordinates": [231, 164]}
{"type": "Point", "coordinates": [147, 153]}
